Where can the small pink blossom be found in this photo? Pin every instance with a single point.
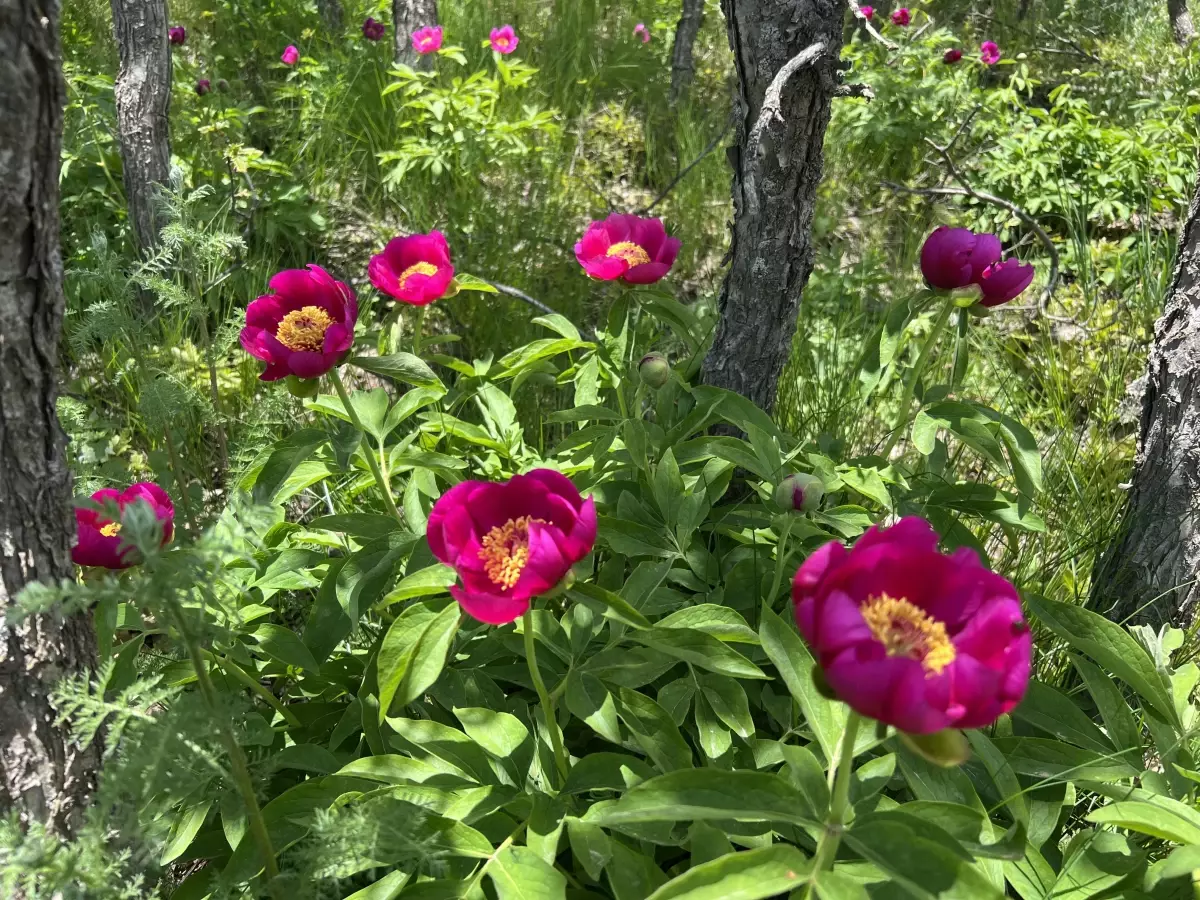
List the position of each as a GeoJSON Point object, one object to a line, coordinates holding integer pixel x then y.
{"type": "Point", "coordinates": [868, 12]}
{"type": "Point", "coordinates": [504, 39]}
{"type": "Point", "coordinates": [636, 250]}
{"type": "Point", "coordinates": [428, 39]}
{"type": "Point", "coordinates": [901, 17]}
{"type": "Point", "coordinates": [952, 56]}
{"type": "Point", "coordinates": [989, 53]}
{"type": "Point", "coordinates": [640, 30]}
{"type": "Point", "coordinates": [290, 56]}
{"type": "Point", "coordinates": [177, 34]}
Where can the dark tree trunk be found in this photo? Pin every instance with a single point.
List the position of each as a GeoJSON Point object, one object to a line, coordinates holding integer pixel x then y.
{"type": "Point", "coordinates": [1150, 571]}
{"type": "Point", "coordinates": [40, 774]}
{"type": "Point", "coordinates": [1023, 9]}
{"type": "Point", "coordinates": [683, 68]}
{"type": "Point", "coordinates": [143, 95]}
{"type": "Point", "coordinates": [408, 16]}
{"type": "Point", "coordinates": [1181, 21]}
{"type": "Point", "coordinates": [776, 169]}
{"type": "Point", "coordinates": [332, 15]}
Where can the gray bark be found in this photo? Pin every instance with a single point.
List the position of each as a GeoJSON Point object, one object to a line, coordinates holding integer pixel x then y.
{"type": "Point", "coordinates": [40, 775]}
{"type": "Point", "coordinates": [331, 15]}
{"type": "Point", "coordinates": [683, 68]}
{"type": "Point", "coordinates": [776, 169]}
{"type": "Point", "coordinates": [143, 96]}
{"type": "Point", "coordinates": [1181, 21]}
{"type": "Point", "coordinates": [1149, 573]}
{"type": "Point", "coordinates": [408, 16]}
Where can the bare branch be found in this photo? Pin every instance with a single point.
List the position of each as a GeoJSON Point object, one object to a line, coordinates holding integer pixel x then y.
{"type": "Point", "coordinates": [537, 304]}
{"type": "Point", "coordinates": [773, 98]}
{"type": "Point", "coordinates": [870, 29]}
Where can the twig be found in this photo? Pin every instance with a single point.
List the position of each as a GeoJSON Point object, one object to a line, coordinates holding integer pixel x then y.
{"type": "Point", "coordinates": [1075, 46]}
{"type": "Point", "coordinates": [712, 145]}
{"type": "Point", "coordinates": [536, 304]}
{"type": "Point", "coordinates": [870, 29]}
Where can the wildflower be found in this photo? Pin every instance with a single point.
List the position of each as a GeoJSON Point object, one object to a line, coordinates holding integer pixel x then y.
{"type": "Point", "coordinates": [636, 250]}
{"type": "Point", "coordinates": [290, 56]}
{"type": "Point", "coordinates": [901, 17]}
{"type": "Point", "coordinates": [800, 493]}
{"type": "Point", "coordinates": [868, 12]}
{"type": "Point", "coordinates": [98, 538]}
{"type": "Point", "coordinates": [654, 370]}
{"type": "Point", "coordinates": [504, 39]}
{"type": "Point", "coordinates": [946, 258]}
{"type": "Point", "coordinates": [989, 53]}
{"type": "Point", "coordinates": [428, 39]}
{"type": "Point", "coordinates": [372, 30]}
{"type": "Point", "coordinates": [177, 34]}
{"type": "Point", "coordinates": [203, 86]}
{"type": "Point", "coordinates": [640, 30]}
{"type": "Point", "coordinates": [304, 328]}
{"type": "Point", "coordinates": [1004, 281]}
{"type": "Point", "coordinates": [911, 637]}
{"type": "Point", "coordinates": [415, 269]}
{"type": "Point", "coordinates": [510, 542]}
{"type": "Point", "coordinates": [952, 56]}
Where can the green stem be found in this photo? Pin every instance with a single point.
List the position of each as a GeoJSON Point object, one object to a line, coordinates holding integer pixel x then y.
{"type": "Point", "coordinates": [384, 486]}
{"type": "Point", "coordinates": [180, 483]}
{"type": "Point", "coordinates": [780, 559]}
{"type": "Point", "coordinates": [827, 846]}
{"type": "Point", "coordinates": [244, 677]}
{"type": "Point", "coordinates": [418, 329]}
{"type": "Point", "coordinates": [914, 377]}
{"type": "Point", "coordinates": [560, 756]}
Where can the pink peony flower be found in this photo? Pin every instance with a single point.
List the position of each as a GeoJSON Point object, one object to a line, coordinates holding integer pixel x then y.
{"type": "Point", "coordinates": [305, 328]}
{"type": "Point", "coordinates": [901, 17]}
{"type": "Point", "coordinates": [988, 251]}
{"type": "Point", "coordinates": [504, 39]}
{"type": "Point", "coordinates": [640, 30]}
{"type": "Point", "coordinates": [98, 538]}
{"type": "Point", "coordinates": [952, 56]}
{"type": "Point", "coordinates": [868, 12]}
{"type": "Point", "coordinates": [946, 258]}
{"type": "Point", "coordinates": [636, 250]}
{"type": "Point", "coordinates": [203, 86]}
{"type": "Point", "coordinates": [176, 34]}
{"type": "Point", "coordinates": [911, 637]}
{"type": "Point", "coordinates": [510, 542]}
{"type": "Point", "coordinates": [290, 56]}
{"type": "Point", "coordinates": [428, 39]}
{"type": "Point", "coordinates": [989, 53]}
{"type": "Point", "coordinates": [1004, 281]}
{"type": "Point", "coordinates": [415, 269]}
{"type": "Point", "coordinates": [372, 30]}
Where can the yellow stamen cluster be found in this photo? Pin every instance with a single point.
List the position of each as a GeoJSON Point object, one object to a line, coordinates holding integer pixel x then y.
{"type": "Point", "coordinates": [505, 551]}
{"type": "Point", "coordinates": [907, 630]}
{"type": "Point", "coordinates": [304, 329]}
{"type": "Point", "coordinates": [421, 268]}
{"type": "Point", "coordinates": [112, 529]}
{"type": "Point", "coordinates": [632, 253]}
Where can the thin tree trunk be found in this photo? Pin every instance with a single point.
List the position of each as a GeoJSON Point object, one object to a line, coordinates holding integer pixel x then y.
{"type": "Point", "coordinates": [143, 95]}
{"type": "Point", "coordinates": [1150, 572]}
{"type": "Point", "coordinates": [776, 169]}
{"type": "Point", "coordinates": [1181, 21]}
{"type": "Point", "coordinates": [1023, 10]}
{"type": "Point", "coordinates": [40, 775]}
{"type": "Point", "coordinates": [683, 68]}
{"type": "Point", "coordinates": [408, 16]}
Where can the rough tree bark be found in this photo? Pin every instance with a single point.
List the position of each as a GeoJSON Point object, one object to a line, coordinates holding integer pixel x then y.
{"type": "Point", "coordinates": [784, 107]}
{"type": "Point", "coordinates": [1150, 572]}
{"type": "Point", "coordinates": [331, 14]}
{"type": "Point", "coordinates": [408, 16]}
{"type": "Point", "coordinates": [1181, 21]}
{"type": "Point", "coordinates": [143, 95]}
{"type": "Point", "coordinates": [39, 774]}
{"type": "Point", "coordinates": [683, 68]}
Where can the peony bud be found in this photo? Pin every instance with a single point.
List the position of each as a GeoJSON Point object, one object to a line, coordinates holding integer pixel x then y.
{"type": "Point", "coordinates": [203, 86]}
{"type": "Point", "coordinates": [800, 493]}
{"type": "Point", "coordinates": [654, 370]}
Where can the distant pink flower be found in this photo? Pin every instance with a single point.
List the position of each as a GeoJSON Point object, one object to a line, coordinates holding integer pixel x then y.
{"type": "Point", "coordinates": [989, 53]}
{"type": "Point", "coordinates": [428, 39]}
{"type": "Point", "coordinates": [414, 269]}
{"type": "Point", "coordinates": [640, 30]}
{"type": "Point", "coordinates": [203, 86]}
{"type": "Point", "coordinates": [177, 34]}
{"type": "Point", "coordinates": [901, 17]}
{"type": "Point", "coordinates": [868, 12]}
{"type": "Point", "coordinates": [636, 250]}
{"type": "Point", "coordinates": [952, 56]}
{"type": "Point", "coordinates": [372, 30]}
{"type": "Point", "coordinates": [98, 538]}
{"type": "Point", "coordinates": [290, 56]}
{"type": "Point", "coordinates": [504, 39]}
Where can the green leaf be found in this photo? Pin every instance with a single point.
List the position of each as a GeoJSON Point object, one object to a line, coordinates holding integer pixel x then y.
{"type": "Point", "coordinates": [728, 700]}
{"type": "Point", "coordinates": [615, 606]}
{"type": "Point", "coordinates": [589, 700]}
{"type": "Point", "coordinates": [285, 457]}
{"type": "Point", "coordinates": [413, 654]}
{"type": "Point", "coordinates": [186, 825]}
{"type": "Point", "coordinates": [518, 873]}
{"type": "Point", "coordinates": [1168, 820]}
{"type": "Point", "coordinates": [386, 888]}
{"type": "Point", "coordinates": [284, 645]}
{"type": "Point", "coordinates": [391, 768]}
{"type": "Point", "coordinates": [1048, 710]}
{"type": "Point", "coordinates": [359, 525]}
{"type": "Point", "coordinates": [750, 875]}
{"type": "Point", "coordinates": [1123, 729]}
{"type": "Point", "coordinates": [1050, 759]}
{"type": "Point", "coordinates": [445, 743]}
{"type": "Point", "coordinates": [424, 582]}
{"type": "Point", "coordinates": [699, 649]}
{"type": "Point", "coordinates": [590, 846]}
{"type": "Point", "coordinates": [654, 730]}
{"type": "Point", "coordinates": [721, 622]}
{"type": "Point", "coordinates": [400, 366]}
{"type": "Point", "coordinates": [1002, 775]}
{"type": "Point", "coordinates": [499, 733]}
{"type": "Point", "coordinates": [606, 771]}
{"type": "Point", "coordinates": [465, 282]}
{"type": "Point", "coordinates": [668, 488]}
{"type": "Point", "coordinates": [1096, 861]}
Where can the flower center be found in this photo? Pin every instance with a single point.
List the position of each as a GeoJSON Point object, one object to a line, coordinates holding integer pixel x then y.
{"type": "Point", "coordinates": [505, 551]}
{"type": "Point", "coordinates": [304, 329]}
{"type": "Point", "coordinates": [421, 268]}
{"type": "Point", "coordinates": [112, 529]}
{"type": "Point", "coordinates": [905, 629]}
{"type": "Point", "coordinates": [502, 43]}
{"type": "Point", "coordinates": [630, 252]}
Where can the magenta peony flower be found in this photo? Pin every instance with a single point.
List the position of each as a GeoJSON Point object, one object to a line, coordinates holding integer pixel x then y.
{"type": "Point", "coordinates": [987, 252]}
{"type": "Point", "coordinates": [98, 538]}
{"type": "Point", "coordinates": [1004, 281]}
{"type": "Point", "coordinates": [868, 12]}
{"type": "Point", "coordinates": [640, 30]}
{"type": "Point", "coordinates": [203, 86]}
{"type": "Point", "coordinates": [946, 258]}
{"type": "Point", "coordinates": [911, 637]}
{"type": "Point", "coordinates": [952, 56]}
{"type": "Point", "coordinates": [304, 328]}
{"type": "Point", "coordinates": [636, 250]}
{"type": "Point", "coordinates": [176, 34]}
{"type": "Point", "coordinates": [415, 269]}
{"type": "Point", "coordinates": [510, 542]}
{"type": "Point", "coordinates": [372, 30]}
{"type": "Point", "coordinates": [901, 17]}
{"type": "Point", "coordinates": [290, 56]}
{"type": "Point", "coordinates": [428, 39]}
{"type": "Point", "coordinates": [989, 53]}
{"type": "Point", "coordinates": [504, 39]}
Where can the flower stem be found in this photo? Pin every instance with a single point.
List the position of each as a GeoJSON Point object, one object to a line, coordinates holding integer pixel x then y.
{"type": "Point", "coordinates": [418, 329]}
{"type": "Point", "coordinates": [560, 755]}
{"type": "Point", "coordinates": [385, 487]}
{"type": "Point", "coordinates": [914, 377]}
{"type": "Point", "coordinates": [780, 559]}
{"type": "Point", "coordinates": [827, 846]}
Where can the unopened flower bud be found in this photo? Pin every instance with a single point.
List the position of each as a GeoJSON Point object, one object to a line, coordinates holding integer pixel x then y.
{"type": "Point", "coordinates": [654, 370]}
{"type": "Point", "coordinates": [302, 387]}
{"type": "Point", "coordinates": [800, 493]}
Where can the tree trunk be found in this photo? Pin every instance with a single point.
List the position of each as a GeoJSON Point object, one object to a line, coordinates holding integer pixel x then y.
{"type": "Point", "coordinates": [1023, 10]}
{"type": "Point", "coordinates": [1181, 21]}
{"type": "Point", "coordinates": [776, 169]}
{"type": "Point", "coordinates": [1150, 571]}
{"type": "Point", "coordinates": [408, 16]}
{"type": "Point", "coordinates": [332, 15]}
{"type": "Point", "coordinates": [683, 68]}
{"type": "Point", "coordinates": [143, 95]}
{"type": "Point", "coordinates": [40, 775]}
